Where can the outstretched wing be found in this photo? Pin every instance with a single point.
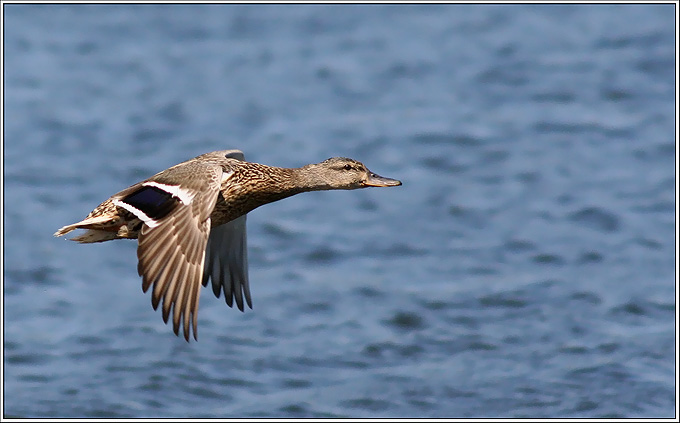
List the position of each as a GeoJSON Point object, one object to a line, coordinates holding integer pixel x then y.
{"type": "Point", "coordinates": [175, 206]}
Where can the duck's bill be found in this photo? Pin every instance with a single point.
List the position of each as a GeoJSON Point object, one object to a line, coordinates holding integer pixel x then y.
{"type": "Point", "coordinates": [380, 181]}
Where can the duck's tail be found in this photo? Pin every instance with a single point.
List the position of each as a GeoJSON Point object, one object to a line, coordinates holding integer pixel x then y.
{"type": "Point", "coordinates": [92, 234]}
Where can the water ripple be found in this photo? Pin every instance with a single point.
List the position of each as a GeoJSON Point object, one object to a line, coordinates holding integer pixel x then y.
{"type": "Point", "coordinates": [596, 218]}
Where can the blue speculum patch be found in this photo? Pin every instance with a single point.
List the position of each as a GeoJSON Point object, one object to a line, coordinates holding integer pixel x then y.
{"type": "Point", "coordinates": [153, 201]}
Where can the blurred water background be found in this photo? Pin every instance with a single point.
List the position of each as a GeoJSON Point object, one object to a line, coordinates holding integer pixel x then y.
{"type": "Point", "coordinates": [524, 269]}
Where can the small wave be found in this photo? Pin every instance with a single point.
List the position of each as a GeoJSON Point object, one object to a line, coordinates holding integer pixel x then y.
{"type": "Point", "coordinates": [596, 218]}
{"type": "Point", "coordinates": [406, 321]}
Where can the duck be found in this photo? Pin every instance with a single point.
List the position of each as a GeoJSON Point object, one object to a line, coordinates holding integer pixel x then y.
{"type": "Point", "coordinates": [190, 223]}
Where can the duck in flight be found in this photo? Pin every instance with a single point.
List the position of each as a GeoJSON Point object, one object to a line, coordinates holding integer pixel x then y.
{"type": "Point", "coordinates": [190, 223]}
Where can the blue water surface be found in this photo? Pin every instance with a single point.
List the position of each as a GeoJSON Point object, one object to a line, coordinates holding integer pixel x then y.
{"type": "Point", "coordinates": [524, 269]}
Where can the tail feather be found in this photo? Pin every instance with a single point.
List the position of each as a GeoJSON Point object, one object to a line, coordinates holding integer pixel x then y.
{"type": "Point", "coordinates": [92, 234]}
{"type": "Point", "coordinates": [95, 235]}
{"type": "Point", "coordinates": [64, 230]}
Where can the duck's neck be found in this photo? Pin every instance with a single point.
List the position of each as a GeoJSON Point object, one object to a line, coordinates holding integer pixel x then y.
{"type": "Point", "coordinates": [262, 184]}
{"type": "Point", "coordinates": [256, 185]}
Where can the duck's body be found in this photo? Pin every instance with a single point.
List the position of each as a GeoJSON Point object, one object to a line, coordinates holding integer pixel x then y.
{"type": "Point", "coordinates": [190, 222]}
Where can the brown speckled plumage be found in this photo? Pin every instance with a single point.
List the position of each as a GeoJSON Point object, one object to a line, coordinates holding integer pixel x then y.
{"type": "Point", "coordinates": [190, 223]}
{"type": "Point", "coordinates": [258, 185]}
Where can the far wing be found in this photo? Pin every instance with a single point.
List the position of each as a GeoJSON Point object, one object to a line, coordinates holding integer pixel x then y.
{"type": "Point", "coordinates": [226, 262]}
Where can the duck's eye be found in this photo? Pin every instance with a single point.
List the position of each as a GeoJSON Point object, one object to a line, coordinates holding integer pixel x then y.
{"type": "Point", "coordinates": [347, 167]}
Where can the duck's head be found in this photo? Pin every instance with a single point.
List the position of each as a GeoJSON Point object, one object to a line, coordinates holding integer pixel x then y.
{"type": "Point", "coordinates": [345, 173]}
